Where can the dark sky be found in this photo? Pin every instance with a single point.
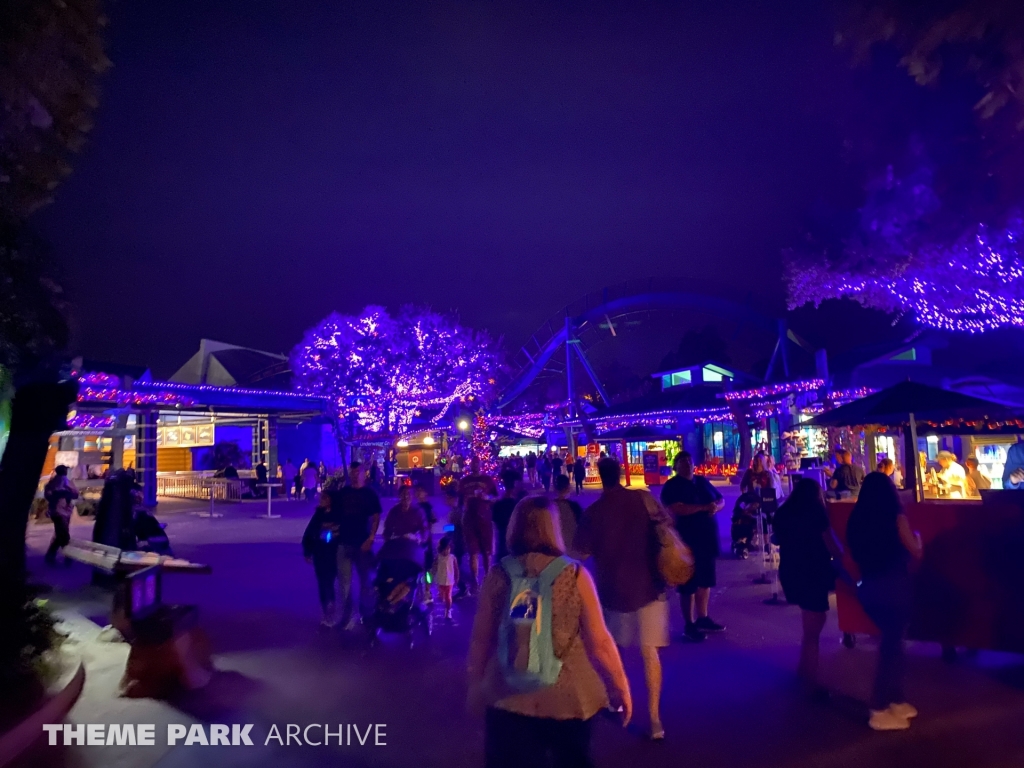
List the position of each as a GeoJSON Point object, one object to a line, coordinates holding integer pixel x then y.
{"type": "Point", "coordinates": [257, 164]}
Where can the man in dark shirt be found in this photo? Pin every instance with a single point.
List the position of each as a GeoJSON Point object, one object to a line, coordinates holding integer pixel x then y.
{"type": "Point", "coordinates": [556, 465]}
{"type": "Point", "coordinates": [616, 530]}
{"type": "Point", "coordinates": [847, 478]}
{"type": "Point", "coordinates": [503, 509]}
{"type": "Point", "coordinates": [355, 512]}
{"type": "Point", "coordinates": [694, 501]}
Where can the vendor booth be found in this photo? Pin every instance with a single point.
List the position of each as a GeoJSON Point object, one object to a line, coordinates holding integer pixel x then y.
{"type": "Point", "coordinates": [967, 587]}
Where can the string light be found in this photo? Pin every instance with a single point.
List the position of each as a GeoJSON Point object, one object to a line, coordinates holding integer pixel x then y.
{"type": "Point", "coordinates": [974, 285]}
{"type": "Point", "coordinates": [770, 390]}
{"type": "Point", "coordinates": [383, 371]}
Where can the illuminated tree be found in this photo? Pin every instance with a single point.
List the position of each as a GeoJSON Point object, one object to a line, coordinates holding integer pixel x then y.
{"type": "Point", "coordinates": [899, 260]}
{"type": "Point", "coordinates": [383, 370]}
{"type": "Point", "coordinates": [481, 446]}
{"type": "Point", "coordinates": [937, 234]}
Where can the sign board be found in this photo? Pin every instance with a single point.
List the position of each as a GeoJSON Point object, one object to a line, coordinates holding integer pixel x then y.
{"type": "Point", "coordinates": [68, 458]}
{"type": "Point", "coordinates": [185, 436]}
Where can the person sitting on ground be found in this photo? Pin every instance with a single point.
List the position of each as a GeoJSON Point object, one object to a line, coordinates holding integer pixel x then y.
{"type": "Point", "coordinates": [550, 725]}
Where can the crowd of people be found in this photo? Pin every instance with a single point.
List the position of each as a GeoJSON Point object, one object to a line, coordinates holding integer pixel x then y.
{"type": "Point", "coordinates": [540, 687]}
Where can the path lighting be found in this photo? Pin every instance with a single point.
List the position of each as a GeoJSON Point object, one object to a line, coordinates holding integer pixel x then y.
{"type": "Point", "coordinates": [428, 440]}
{"type": "Point", "coordinates": [403, 443]}
{"type": "Point", "coordinates": [463, 425]}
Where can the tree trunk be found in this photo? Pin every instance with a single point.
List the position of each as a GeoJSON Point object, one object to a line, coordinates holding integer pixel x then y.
{"type": "Point", "coordinates": [739, 414]}
{"type": "Point", "coordinates": [38, 410]}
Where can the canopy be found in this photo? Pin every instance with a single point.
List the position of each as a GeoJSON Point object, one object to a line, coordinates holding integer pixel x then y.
{"type": "Point", "coordinates": [639, 434]}
{"type": "Point", "coordinates": [892, 408]}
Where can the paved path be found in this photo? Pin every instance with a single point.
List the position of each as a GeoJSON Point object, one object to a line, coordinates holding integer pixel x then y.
{"type": "Point", "coordinates": [728, 701]}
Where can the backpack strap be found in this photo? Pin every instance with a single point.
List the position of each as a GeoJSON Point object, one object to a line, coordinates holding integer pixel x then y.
{"type": "Point", "coordinates": [512, 567]}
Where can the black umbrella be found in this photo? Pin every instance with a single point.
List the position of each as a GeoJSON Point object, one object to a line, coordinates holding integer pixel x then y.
{"type": "Point", "coordinates": [898, 405]}
{"type": "Point", "coordinates": [907, 404]}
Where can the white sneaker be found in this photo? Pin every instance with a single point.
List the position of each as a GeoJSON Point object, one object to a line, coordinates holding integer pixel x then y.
{"type": "Point", "coordinates": [904, 710]}
{"type": "Point", "coordinates": [887, 720]}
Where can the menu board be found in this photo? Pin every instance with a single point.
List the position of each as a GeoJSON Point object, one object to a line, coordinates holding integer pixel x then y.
{"type": "Point", "coordinates": [185, 436]}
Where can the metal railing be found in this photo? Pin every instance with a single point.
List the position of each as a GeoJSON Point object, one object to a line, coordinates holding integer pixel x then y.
{"type": "Point", "coordinates": [198, 485]}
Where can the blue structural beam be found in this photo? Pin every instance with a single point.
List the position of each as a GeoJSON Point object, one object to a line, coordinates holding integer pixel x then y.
{"type": "Point", "coordinates": [624, 306]}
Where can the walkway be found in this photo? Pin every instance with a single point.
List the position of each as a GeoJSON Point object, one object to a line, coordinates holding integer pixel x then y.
{"type": "Point", "coordinates": [728, 701]}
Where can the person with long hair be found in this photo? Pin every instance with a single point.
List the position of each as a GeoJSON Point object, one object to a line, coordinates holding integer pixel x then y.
{"type": "Point", "coordinates": [883, 545]}
{"type": "Point", "coordinates": [549, 725]}
{"type": "Point", "coordinates": [806, 548]}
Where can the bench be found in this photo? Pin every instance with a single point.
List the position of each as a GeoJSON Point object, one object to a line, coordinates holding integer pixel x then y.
{"type": "Point", "coordinates": [169, 650]}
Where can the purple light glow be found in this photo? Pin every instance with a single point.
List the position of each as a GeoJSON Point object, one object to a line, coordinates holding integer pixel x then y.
{"type": "Point", "coordinates": [382, 370]}
{"type": "Point", "coordinates": [770, 390]}
{"type": "Point", "coordinates": [975, 285]}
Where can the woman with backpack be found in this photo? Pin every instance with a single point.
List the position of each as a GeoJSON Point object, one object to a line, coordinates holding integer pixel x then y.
{"type": "Point", "coordinates": [537, 604]}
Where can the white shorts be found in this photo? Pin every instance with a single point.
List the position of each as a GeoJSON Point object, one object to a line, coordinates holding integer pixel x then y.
{"type": "Point", "coordinates": [646, 626]}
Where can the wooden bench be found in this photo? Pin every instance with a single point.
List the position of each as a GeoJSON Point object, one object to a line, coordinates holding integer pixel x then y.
{"type": "Point", "coordinates": [169, 650]}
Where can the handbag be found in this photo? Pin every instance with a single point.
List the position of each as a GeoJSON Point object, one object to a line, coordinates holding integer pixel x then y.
{"type": "Point", "coordinates": [674, 559]}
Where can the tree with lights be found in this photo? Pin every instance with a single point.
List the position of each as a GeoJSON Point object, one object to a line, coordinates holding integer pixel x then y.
{"type": "Point", "coordinates": [382, 370]}
{"type": "Point", "coordinates": [898, 260]}
{"type": "Point", "coordinates": [481, 446]}
{"type": "Point", "coordinates": [937, 231]}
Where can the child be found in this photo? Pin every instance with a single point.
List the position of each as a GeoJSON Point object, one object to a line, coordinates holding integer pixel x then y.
{"type": "Point", "coordinates": [446, 574]}
{"type": "Point", "coordinates": [320, 547]}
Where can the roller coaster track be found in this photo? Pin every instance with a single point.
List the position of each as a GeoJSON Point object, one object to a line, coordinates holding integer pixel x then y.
{"type": "Point", "coordinates": [610, 304]}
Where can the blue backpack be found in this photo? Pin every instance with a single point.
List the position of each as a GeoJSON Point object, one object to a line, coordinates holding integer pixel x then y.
{"type": "Point", "coordinates": [526, 652]}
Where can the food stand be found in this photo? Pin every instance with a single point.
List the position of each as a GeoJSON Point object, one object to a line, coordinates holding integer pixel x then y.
{"type": "Point", "coordinates": [967, 586]}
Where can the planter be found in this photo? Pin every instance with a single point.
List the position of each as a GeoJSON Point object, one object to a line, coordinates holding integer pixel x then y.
{"type": "Point", "coordinates": [54, 709]}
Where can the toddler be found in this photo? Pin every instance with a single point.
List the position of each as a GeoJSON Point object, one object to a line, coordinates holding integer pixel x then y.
{"type": "Point", "coordinates": [446, 574]}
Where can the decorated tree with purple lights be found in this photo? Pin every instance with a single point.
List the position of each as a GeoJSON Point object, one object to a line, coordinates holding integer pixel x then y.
{"type": "Point", "coordinates": [383, 370]}
{"type": "Point", "coordinates": [900, 260]}
{"type": "Point", "coordinates": [937, 232]}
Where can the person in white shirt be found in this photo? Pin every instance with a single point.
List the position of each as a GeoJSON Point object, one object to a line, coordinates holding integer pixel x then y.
{"type": "Point", "coordinates": [310, 479]}
{"type": "Point", "coordinates": [951, 476]}
{"type": "Point", "coordinates": [446, 574]}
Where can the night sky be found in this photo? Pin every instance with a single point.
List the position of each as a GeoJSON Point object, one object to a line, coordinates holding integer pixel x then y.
{"type": "Point", "coordinates": [257, 164]}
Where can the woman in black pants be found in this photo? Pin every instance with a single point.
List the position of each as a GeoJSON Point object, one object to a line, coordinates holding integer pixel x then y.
{"type": "Point", "coordinates": [579, 474]}
{"type": "Point", "coordinates": [320, 548]}
{"type": "Point", "coordinates": [806, 548]}
{"type": "Point", "coordinates": [883, 546]}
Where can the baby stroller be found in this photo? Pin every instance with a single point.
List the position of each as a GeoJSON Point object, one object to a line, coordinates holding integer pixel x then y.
{"type": "Point", "coordinates": [399, 590]}
{"type": "Point", "coordinates": [744, 524]}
